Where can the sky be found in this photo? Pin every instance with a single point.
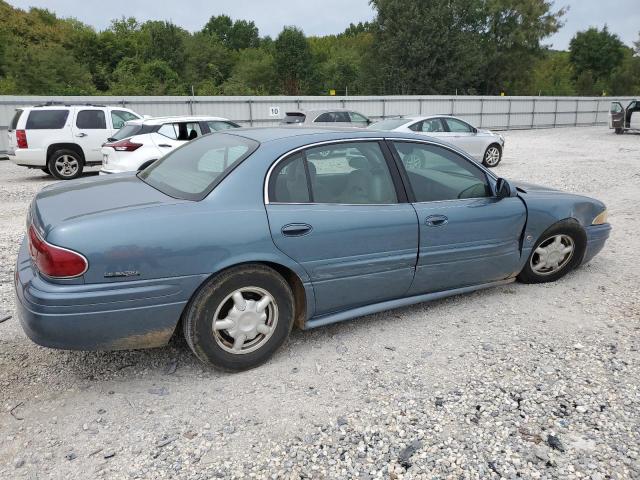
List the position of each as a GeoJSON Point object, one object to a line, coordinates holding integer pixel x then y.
{"type": "Point", "coordinates": [319, 18]}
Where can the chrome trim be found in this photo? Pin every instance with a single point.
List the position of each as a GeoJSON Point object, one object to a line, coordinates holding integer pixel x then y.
{"type": "Point", "coordinates": [304, 147]}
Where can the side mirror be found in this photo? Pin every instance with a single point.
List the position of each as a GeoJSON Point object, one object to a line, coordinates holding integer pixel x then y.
{"type": "Point", "coordinates": [146, 164]}
{"type": "Point", "coordinates": [503, 189]}
{"type": "Point", "coordinates": [475, 130]}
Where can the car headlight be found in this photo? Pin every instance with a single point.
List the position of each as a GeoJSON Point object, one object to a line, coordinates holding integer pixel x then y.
{"type": "Point", "coordinates": [600, 219]}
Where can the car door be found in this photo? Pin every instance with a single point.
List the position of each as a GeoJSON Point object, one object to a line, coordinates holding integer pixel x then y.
{"type": "Point", "coordinates": [464, 136]}
{"type": "Point", "coordinates": [90, 132]}
{"type": "Point", "coordinates": [616, 115]}
{"type": "Point", "coordinates": [168, 137]}
{"type": "Point", "coordinates": [432, 127]}
{"type": "Point", "coordinates": [467, 235]}
{"type": "Point", "coordinates": [345, 221]}
{"type": "Point", "coordinates": [633, 115]}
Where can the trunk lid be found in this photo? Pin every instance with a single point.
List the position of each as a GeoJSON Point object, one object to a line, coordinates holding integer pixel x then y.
{"type": "Point", "coordinates": [70, 201]}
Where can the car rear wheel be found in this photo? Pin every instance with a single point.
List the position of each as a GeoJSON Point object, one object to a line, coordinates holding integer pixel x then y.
{"type": "Point", "coordinates": [492, 156]}
{"type": "Point", "coordinates": [65, 164]}
{"type": "Point", "coordinates": [558, 251]}
{"type": "Point", "coordinates": [239, 318]}
{"type": "Point", "coordinates": [46, 170]}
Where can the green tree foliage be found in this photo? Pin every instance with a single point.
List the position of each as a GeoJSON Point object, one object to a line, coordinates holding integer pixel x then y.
{"type": "Point", "coordinates": [293, 60]}
{"type": "Point", "coordinates": [234, 35]}
{"type": "Point", "coordinates": [411, 47]}
{"type": "Point", "coordinates": [595, 54]}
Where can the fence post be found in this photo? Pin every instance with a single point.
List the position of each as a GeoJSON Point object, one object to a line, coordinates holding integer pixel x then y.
{"type": "Point", "coordinates": [533, 114]}
{"type": "Point", "coordinates": [509, 115]}
{"type": "Point", "coordinates": [420, 101]}
{"type": "Point", "coordinates": [595, 120]}
{"type": "Point", "coordinates": [250, 102]}
{"type": "Point", "coordinates": [575, 122]}
{"type": "Point", "coordinates": [384, 108]}
{"type": "Point", "coordinates": [481, 110]}
{"type": "Point", "coordinates": [453, 105]}
{"type": "Point", "coordinates": [555, 114]}
{"type": "Point", "coordinates": [190, 103]}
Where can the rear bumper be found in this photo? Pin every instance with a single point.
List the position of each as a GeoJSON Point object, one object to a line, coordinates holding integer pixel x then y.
{"type": "Point", "coordinates": [28, 157]}
{"type": "Point", "coordinates": [597, 236]}
{"type": "Point", "coordinates": [118, 315]}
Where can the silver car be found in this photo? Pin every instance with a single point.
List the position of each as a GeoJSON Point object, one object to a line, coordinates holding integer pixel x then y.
{"type": "Point", "coordinates": [483, 145]}
{"type": "Point", "coordinates": [337, 117]}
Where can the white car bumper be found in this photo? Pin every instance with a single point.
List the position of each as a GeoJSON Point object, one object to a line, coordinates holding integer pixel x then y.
{"type": "Point", "coordinates": [28, 157]}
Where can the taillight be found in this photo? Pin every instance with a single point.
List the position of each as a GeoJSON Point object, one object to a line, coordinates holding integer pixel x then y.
{"type": "Point", "coordinates": [21, 138]}
{"type": "Point", "coordinates": [55, 261]}
{"type": "Point", "coordinates": [124, 146]}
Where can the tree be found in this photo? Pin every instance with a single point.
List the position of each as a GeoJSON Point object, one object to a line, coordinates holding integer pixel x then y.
{"type": "Point", "coordinates": [163, 41]}
{"type": "Point", "coordinates": [208, 63]}
{"type": "Point", "coordinates": [597, 52]}
{"type": "Point", "coordinates": [427, 47]}
{"type": "Point", "coordinates": [253, 74]}
{"type": "Point", "coordinates": [293, 60]}
{"type": "Point", "coordinates": [152, 78]}
{"type": "Point", "coordinates": [236, 35]}
{"type": "Point", "coordinates": [513, 30]}
{"type": "Point", "coordinates": [552, 75]}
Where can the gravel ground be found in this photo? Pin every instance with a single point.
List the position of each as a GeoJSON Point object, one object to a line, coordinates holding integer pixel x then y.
{"type": "Point", "coordinates": [521, 381]}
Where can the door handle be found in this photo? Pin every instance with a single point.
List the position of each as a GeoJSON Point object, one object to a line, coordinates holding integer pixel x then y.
{"type": "Point", "coordinates": [81, 134]}
{"type": "Point", "coordinates": [436, 220]}
{"type": "Point", "coordinates": [296, 229]}
{"type": "Point", "coordinates": [164, 145]}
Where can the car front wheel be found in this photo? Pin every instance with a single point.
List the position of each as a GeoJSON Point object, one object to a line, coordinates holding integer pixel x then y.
{"type": "Point", "coordinates": [492, 156]}
{"type": "Point", "coordinates": [239, 318]}
{"type": "Point", "coordinates": [558, 251]}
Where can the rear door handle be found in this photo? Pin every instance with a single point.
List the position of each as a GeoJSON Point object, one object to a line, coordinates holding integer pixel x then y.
{"type": "Point", "coordinates": [436, 220]}
{"type": "Point", "coordinates": [81, 134]}
{"type": "Point", "coordinates": [164, 145]}
{"type": "Point", "coordinates": [296, 229]}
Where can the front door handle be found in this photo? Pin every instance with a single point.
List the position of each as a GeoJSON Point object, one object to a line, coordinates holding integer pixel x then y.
{"type": "Point", "coordinates": [164, 145]}
{"type": "Point", "coordinates": [436, 220]}
{"type": "Point", "coordinates": [81, 134]}
{"type": "Point", "coordinates": [296, 229]}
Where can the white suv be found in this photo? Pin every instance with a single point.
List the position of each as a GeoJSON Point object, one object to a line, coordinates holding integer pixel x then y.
{"type": "Point", "coordinates": [141, 142]}
{"type": "Point", "coordinates": [63, 139]}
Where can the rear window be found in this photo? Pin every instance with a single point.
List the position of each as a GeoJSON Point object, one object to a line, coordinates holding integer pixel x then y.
{"type": "Point", "coordinates": [294, 117]}
{"type": "Point", "coordinates": [192, 171]}
{"type": "Point", "coordinates": [126, 132]}
{"type": "Point", "coordinates": [390, 124]}
{"type": "Point", "coordinates": [14, 121]}
{"type": "Point", "coordinates": [47, 119]}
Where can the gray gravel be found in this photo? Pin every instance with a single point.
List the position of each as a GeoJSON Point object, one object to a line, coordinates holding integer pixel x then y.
{"type": "Point", "coordinates": [521, 381]}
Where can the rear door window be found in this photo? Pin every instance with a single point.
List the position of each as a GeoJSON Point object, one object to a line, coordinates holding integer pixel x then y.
{"type": "Point", "coordinates": [47, 119]}
{"type": "Point", "coordinates": [14, 121]}
{"type": "Point", "coordinates": [325, 118]}
{"type": "Point", "coordinates": [342, 117]}
{"type": "Point", "coordinates": [91, 120]}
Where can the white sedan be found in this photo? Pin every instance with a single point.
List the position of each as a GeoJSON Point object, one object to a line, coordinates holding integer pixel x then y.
{"type": "Point", "coordinates": [141, 142]}
{"type": "Point", "coordinates": [483, 145]}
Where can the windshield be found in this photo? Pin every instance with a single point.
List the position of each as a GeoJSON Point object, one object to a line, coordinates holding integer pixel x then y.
{"type": "Point", "coordinates": [388, 124]}
{"type": "Point", "coordinates": [192, 171]}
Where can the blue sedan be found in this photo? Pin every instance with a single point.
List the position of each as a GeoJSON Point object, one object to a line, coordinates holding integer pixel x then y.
{"type": "Point", "coordinates": [238, 236]}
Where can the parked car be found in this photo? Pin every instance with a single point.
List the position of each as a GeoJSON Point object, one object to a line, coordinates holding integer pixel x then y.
{"type": "Point", "coordinates": [63, 139]}
{"type": "Point", "coordinates": [623, 119]}
{"type": "Point", "coordinates": [483, 145]}
{"type": "Point", "coordinates": [142, 141]}
{"type": "Point", "coordinates": [326, 117]}
{"type": "Point", "coordinates": [241, 234]}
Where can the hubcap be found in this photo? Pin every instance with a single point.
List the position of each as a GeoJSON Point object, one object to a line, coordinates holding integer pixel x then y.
{"type": "Point", "coordinates": [492, 157]}
{"type": "Point", "coordinates": [66, 165]}
{"type": "Point", "coordinates": [245, 320]}
{"type": "Point", "coordinates": [552, 255]}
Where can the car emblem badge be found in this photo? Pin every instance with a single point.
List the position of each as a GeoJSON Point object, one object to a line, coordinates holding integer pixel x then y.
{"type": "Point", "coordinates": [126, 273]}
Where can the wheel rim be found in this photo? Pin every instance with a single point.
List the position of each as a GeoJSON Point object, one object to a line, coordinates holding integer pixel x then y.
{"type": "Point", "coordinates": [245, 320]}
{"type": "Point", "coordinates": [492, 156]}
{"type": "Point", "coordinates": [66, 165]}
{"type": "Point", "coordinates": [552, 255]}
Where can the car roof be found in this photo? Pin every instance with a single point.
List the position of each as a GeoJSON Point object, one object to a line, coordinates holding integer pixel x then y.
{"type": "Point", "coordinates": [305, 135]}
{"type": "Point", "coordinates": [177, 118]}
{"type": "Point", "coordinates": [318, 111]}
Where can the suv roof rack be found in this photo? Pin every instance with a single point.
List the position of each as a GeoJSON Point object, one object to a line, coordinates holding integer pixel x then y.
{"type": "Point", "coordinates": [67, 104]}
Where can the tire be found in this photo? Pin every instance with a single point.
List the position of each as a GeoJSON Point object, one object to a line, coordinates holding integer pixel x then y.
{"type": "Point", "coordinates": [65, 164]}
{"type": "Point", "coordinates": [46, 170]}
{"type": "Point", "coordinates": [216, 302]}
{"type": "Point", "coordinates": [492, 156]}
{"type": "Point", "coordinates": [619, 131]}
{"type": "Point", "coordinates": [571, 234]}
